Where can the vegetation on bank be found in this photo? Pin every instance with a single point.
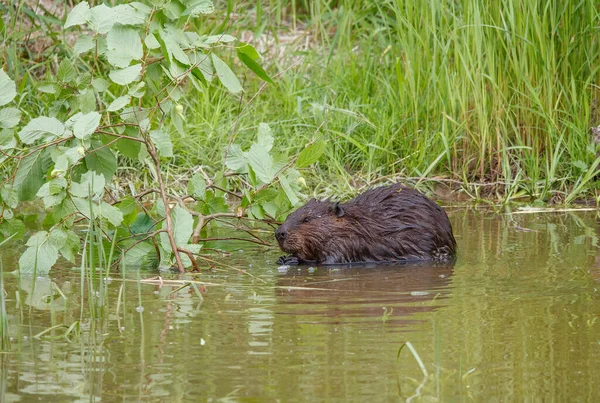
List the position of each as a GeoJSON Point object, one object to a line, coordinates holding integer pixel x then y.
{"type": "Point", "coordinates": [496, 99]}
{"type": "Point", "coordinates": [120, 118]}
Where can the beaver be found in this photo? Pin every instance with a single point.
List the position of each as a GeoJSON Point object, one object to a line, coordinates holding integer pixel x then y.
{"type": "Point", "coordinates": [389, 223]}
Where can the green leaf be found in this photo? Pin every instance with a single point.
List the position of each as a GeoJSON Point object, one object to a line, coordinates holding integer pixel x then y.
{"type": "Point", "coordinates": [289, 192]}
{"type": "Point", "coordinates": [162, 141]}
{"type": "Point", "coordinates": [40, 255]}
{"type": "Point", "coordinates": [102, 161]}
{"type": "Point", "coordinates": [205, 67]}
{"type": "Point", "coordinates": [128, 207]}
{"type": "Point", "coordinates": [9, 117]}
{"type": "Point", "coordinates": [61, 164]}
{"type": "Point", "coordinates": [311, 154]}
{"type": "Point", "coordinates": [141, 8]}
{"type": "Point", "coordinates": [197, 7]}
{"type": "Point", "coordinates": [131, 14]}
{"type": "Point", "coordinates": [236, 159]}
{"type": "Point", "coordinates": [71, 245]}
{"type": "Point", "coordinates": [170, 39]}
{"type": "Point", "coordinates": [129, 148]}
{"type": "Point", "coordinates": [64, 212]}
{"type": "Point", "coordinates": [177, 121]}
{"type": "Point", "coordinates": [53, 192]}
{"type": "Point", "coordinates": [255, 67]}
{"type": "Point", "coordinates": [159, 208]}
{"type": "Point", "coordinates": [58, 237]}
{"type": "Point", "coordinates": [71, 121]}
{"type": "Point", "coordinates": [92, 184]}
{"type": "Point", "coordinates": [48, 88]}
{"type": "Point", "coordinates": [144, 125]}
{"type": "Point", "coordinates": [185, 259]}
{"type": "Point", "coordinates": [66, 72]}
{"type": "Point", "coordinates": [54, 200]}
{"type": "Point", "coordinates": [151, 42]}
{"type": "Point", "coordinates": [31, 174]}
{"type": "Point", "coordinates": [195, 41]}
{"type": "Point", "coordinates": [197, 186]}
{"type": "Point", "coordinates": [215, 204]}
{"type": "Point", "coordinates": [140, 255]}
{"type": "Point", "coordinates": [76, 189]}
{"type": "Point", "coordinates": [86, 124]}
{"type": "Point", "coordinates": [262, 163]}
{"type": "Point", "coordinates": [101, 18]}
{"type": "Point", "coordinates": [256, 211]}
{"type": "Point", "coordinates": [111, 213]}
{"type": "Point", "coordinates": [139, 90]}
{"type": "Point", "coordinates": [127, 75]}
{"type": "Point", "coordinates": [160, 37]}
{"type": "Point", "coordinates": [124, 45]}
{"type": "Point", "coordinates": [222, 38]}
{"type": "Point", "coordinates": [119, 103]}
{"type": "Point", "coordinates": [272, 209]}
{"type": "Point", "coordinates": [40, 127]}
{"type": "Point", "coordinates": [248, 50]}
{"type": "Point", "coordinates": [83, 44]}
{"type": "Point", "coordinates": [265, 137]}
{"type": "Point", "coordinates": [8, 90]}
{"type": "Point", "coordinates": [173, 10]}
{"type": "Point", "coordinates": [78, 15]}
{"type": "Point", "coordinates": [87, 101]}
{"type": "Point", "coordinates": [226, 76]}
{"type": "Point", "coordinates": [74, 154]}
{"type": "Point", "coordinates": [7, 214]}
{"type": "Point", "coordinates": [182, 228]}
{"type": "Point", "coordinates": [7, 139]}
{"type": "Point", "coordinates": [82, 81]}
{"type": "Point", "coordinates": [9, 195]}
{"type": "Point", "coordinates": [143, 224]}
{"type": "Point", "coordinates": [13, 226]}
{"type": "Point", "coordinates": [182, 225]}
{"type": "Point", "coordinates": [52, 187]}
{"type": "Point", "coordinates": [100, 84]}
{"type": "Point", "coordinates": [83, 205]}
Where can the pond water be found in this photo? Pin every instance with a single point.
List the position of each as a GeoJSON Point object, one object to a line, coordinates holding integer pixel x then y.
{"type": "Point", "coordinates": [515, 318]}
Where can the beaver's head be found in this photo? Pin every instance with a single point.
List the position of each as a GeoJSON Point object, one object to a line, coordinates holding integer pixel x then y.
{"type": "Point", "coordinates": [305, 232]}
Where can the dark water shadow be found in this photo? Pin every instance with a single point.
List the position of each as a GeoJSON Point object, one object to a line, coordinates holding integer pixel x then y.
{"type": "Point", "coordinates": [389, 291]}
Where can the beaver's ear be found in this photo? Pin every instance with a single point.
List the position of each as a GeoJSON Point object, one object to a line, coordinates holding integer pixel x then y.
{"type": "Point", "coordinates": [337, 210]}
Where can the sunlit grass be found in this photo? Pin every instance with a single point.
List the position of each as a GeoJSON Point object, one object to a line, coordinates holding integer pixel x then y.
{"type": "Point", "coordinates": [499, 92]}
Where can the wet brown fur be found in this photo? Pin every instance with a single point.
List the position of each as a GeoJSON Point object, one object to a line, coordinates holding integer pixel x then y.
{"type": "Point", "coordinates": [382, 224]}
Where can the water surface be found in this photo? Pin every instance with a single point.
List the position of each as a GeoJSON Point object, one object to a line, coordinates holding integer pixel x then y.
{"type": "Point", "coordinates": [515, 318]}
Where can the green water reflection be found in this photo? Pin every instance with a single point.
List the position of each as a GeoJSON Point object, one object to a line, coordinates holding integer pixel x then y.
{"type": "Point", "coordinates": [516, 318]}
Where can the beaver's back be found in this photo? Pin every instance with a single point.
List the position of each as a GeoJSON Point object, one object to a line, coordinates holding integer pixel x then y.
{"type": "Point", "coordinates": [382, 224]}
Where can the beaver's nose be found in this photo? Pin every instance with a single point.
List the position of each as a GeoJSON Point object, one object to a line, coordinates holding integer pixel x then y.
{"type": "Point", "coordinates": [280, 234]}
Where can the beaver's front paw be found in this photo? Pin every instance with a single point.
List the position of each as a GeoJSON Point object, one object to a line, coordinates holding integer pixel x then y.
{"type": "Point", "coordinates": [289, 260]}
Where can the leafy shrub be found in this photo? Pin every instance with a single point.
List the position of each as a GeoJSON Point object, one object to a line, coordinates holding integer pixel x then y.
{"type": "Point", "coordinates": [117, 97]}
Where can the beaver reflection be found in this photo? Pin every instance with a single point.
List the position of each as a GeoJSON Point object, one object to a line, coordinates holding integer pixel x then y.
{"type": "Point", "coordinates": [363, 291]}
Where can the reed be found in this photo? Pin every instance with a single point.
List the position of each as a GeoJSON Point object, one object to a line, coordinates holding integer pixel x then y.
{"type": "Point", "coordinates": [4, 331]}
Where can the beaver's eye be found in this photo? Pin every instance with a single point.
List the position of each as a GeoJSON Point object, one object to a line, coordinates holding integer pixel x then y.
{"type": "Point", "coordinates": [306, 219]}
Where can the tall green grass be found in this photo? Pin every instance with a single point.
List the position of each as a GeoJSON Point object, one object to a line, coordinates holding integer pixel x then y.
{"type": "Point", "coordinates": [4, 332]}
{"type": "Point", "coordinates": [501, 92]}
